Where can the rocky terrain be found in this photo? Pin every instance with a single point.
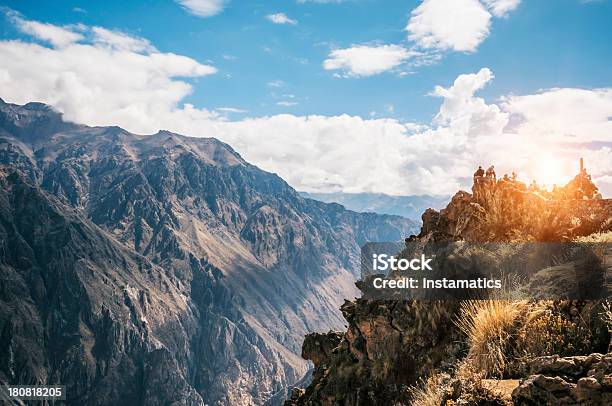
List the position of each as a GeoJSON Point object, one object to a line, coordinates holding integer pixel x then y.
{"type": "Point", "coordinates": [161, 269]}
{"type": "Point", "coordinates": [509, 211]}
{"type": "Point", "coordinates": [475, 352]}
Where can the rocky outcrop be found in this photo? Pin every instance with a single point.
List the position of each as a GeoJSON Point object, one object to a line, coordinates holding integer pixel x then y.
{"type": "Point", "coordinates": [391, 345]}
{"type": "Point", "coordinates": [508, 211]}
{"type": "Point", "coordinates": [161, 268]}
{"type": "Point", "coordinates": [318, 347]}
{"type": "Point", "coordinates": [554, 380]}
{"type": "Point", "coordinates": [388, 346]}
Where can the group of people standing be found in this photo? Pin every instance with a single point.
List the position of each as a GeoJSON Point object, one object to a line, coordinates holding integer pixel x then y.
{"type": "Point", "coordinates": [581, 187]}
{"type": "Point", "coordinates": [482, 174]}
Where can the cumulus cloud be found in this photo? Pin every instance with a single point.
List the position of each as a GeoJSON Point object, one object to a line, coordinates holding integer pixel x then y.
{"type": "Point", "coordinates": [108, 72]}
{"type": "Point", "coordinates": [456, 25]}
{"type": "Point", "coordinates": [98, 84]}
{"type": "Point", "coordinates": [353, 154]}
{"type": "Point", "coordinates": [434, 26]}
{"type": "Point", "coordinates": [366, 60]}
{"type": "Point", "coordinates": [202, 8]}
{"type": "Point", "coordinates": [465, 113]}
{"type": "Point", "coordinates": [579, 115]}
{"type": "Point", "coordinates": [459, 25]}
{"type": "Point", "coordinates": [281, 18]}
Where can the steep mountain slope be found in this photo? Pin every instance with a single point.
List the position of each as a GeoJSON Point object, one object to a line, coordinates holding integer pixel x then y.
{"type": "Point", "coordinates": [217, 270]}
{"type": "Point", "coordinates": [78, 307]}
{"type": "Point", "coordinates": [406, 206]}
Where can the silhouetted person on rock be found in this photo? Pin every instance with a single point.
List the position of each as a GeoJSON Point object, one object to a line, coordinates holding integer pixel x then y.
{"type": "Point", "coordinates": [491, 172]}
{"type": "Point", "coordinates": [479, 174]}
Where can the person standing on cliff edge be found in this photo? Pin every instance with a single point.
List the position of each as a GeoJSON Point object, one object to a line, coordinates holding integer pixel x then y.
{"type": "Point", "coordinates": [491, 172]}
{"type": "Point", "coordinates": [479, 174]}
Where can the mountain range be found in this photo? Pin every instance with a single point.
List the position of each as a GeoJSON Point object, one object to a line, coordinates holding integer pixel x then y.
{"type": "Point", "coordinates": [162, 269]}
{"type": "Point", "coordinates": [406, 206]}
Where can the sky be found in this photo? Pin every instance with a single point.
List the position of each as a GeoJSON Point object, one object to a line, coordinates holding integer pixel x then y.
{"type": "Point", "coordinates": [396, 97]}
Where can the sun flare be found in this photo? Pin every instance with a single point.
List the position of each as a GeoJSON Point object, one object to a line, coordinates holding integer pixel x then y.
{"type": "Point", "coordinates": [551, 171]}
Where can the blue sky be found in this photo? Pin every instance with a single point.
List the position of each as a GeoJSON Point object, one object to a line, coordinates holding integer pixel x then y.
{"type": "Point", "coordinates": [396, 97]}
{"type": "Point", "coordinates": [536, 46]}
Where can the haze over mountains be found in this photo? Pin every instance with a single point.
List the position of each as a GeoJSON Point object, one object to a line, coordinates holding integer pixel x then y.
{"type": "Point", "coordinates": [407, 206]}
{"type": "Point", "coordinates": [151, 269]}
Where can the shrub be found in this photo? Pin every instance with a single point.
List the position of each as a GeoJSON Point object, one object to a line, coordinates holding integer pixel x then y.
{"type": "Point", "coordinates": [548, 330]}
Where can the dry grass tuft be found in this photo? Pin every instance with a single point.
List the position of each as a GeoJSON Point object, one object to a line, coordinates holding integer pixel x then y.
{"type": "Point", "coordinates": [429, 392]}
{"type": "Point", "coordinates": [463, 387]}
{"type": "Point", "coordinates": [597, 237]}
{"type": "Point", "coordinates": [489, 326]}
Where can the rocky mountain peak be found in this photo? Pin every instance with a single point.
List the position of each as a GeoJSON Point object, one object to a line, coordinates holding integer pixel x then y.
{"type": "Point", "coordinates": [33, 121]}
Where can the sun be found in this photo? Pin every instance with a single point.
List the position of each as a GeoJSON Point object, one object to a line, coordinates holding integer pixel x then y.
{"type": "Point", "coordinates": [551, 171]}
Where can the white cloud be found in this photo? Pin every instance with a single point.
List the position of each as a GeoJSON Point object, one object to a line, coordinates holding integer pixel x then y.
{"type": "Point", "coordinates": [434, 26]}
{"type": "Point", "coordinates": [281, 18]}
{"type": "Point", "coordinates": [501, 8]}
{"type": "Point", "coordinates": [366, 60]}
{"type": "Point", "coordinates": [53, 34]}
{"type": "Point", "coordinates": [459, 25]}
{"type": "Point", "coordinates": [107, 76]}
{"type": "Point", "coordinates": [140, 92]}
{"type": "Point", "coordinates": [286, 103]}
{"type": "Point", "coordinates": [202, 8]}
{"type": "Point", "coordinates": [464, 113]}
{"type": "Point", "coordinates": [231, 110]}
{"type": "Point", "coordinates": [276, 83]}
{"type": "Point", "coordinates": [579, 115]}
{"type": "Point", "coordinates": [120, 41]}
{"type": "Point", "coordinates": [354, 154]}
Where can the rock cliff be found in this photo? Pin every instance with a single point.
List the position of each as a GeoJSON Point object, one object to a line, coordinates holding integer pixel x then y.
{"type": "Point", "coordinates": [391, 347]}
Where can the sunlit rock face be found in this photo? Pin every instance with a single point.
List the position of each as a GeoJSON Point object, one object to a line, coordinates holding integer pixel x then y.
{"type": "Point", "coordinates": [162, 268]}
{"type": "Point", "coordinates": [510, 211]}
{"type": "Point", "coordinates": [389, 345]}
